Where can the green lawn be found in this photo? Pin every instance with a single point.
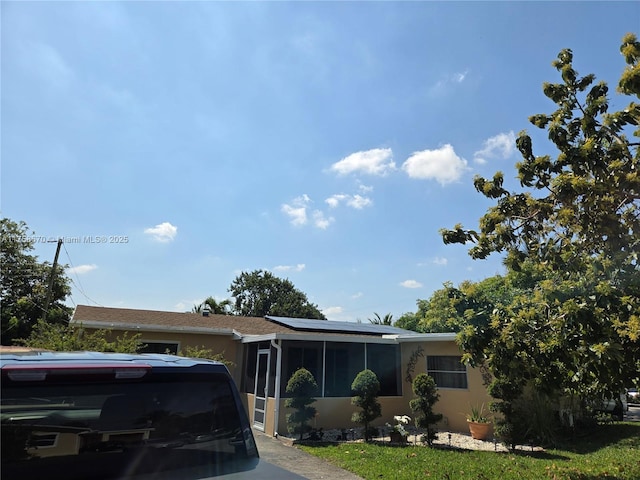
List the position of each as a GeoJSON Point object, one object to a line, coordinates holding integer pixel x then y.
{"type": "Point", "coordinates": [609, 452]}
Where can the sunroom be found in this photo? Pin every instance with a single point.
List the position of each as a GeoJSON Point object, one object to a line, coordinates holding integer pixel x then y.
{"type": "Point", "coordinates": [334, 358]}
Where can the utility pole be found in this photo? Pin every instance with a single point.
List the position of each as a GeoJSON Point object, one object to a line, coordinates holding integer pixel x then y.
{"type": "Point", "coordinates": [53, 273]}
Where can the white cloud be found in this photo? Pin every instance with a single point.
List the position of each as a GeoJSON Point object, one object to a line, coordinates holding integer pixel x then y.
{"type": "Point", "coordinates": [441, 164]}
{"type": "Point", "coordinates": [440, 261]}
{"type": "Point", "coordinates": [370, 162]}
{"type": "Point", "coordinates": [411, 284]}
{"type": "Point", "coordinates": [354, 201]}
{"type": "Point", "coordinates": [459, 77]}
{"type": "Point", "coordinates": [446, 82]}
{"type": "Point", "coordinates": [163, 232]}
{"type": "Point", "coordinates": [331, 311]}
{"type": "Point", "coordinates": [358, 202]}
{"type": "Point", "coordinates": [290, 268]}
{"type": "Point", "coordinates": [499, 146]}
{"type": "Point", "coordinates": [334, 200]}
{"type": "Point", "coordinates": [297, 210]}
{"type": "Point", "coordinates": [182, 307]}
{"type": "Point", "coordinates": [365, 188]}
{"type": "Point", "coordinates": [82, 269]}
{"type": "Point", "coordinates": [320, 221]}
{"type": "Point", "coordinates": [357, 295]}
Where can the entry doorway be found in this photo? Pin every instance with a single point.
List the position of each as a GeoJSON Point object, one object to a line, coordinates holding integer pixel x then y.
{"type": "Point", "coordinates": [261, 388]}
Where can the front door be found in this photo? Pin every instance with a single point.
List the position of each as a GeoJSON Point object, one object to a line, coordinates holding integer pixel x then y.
{"type": "Point", "coordinates": [261, 389]}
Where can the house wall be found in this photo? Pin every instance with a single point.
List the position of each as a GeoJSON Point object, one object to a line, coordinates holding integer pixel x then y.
{"type": "Point", "coordinates": [454, 404]}
{"type": "Point", "coordinates": [231, 349]}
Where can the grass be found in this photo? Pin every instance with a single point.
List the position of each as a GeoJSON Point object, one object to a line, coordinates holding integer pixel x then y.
{"type": "Point", "coordinates": [608, 452]}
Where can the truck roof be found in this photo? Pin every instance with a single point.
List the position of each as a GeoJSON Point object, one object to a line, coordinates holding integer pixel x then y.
{"type": "Point", "coordinates": [35, 358]}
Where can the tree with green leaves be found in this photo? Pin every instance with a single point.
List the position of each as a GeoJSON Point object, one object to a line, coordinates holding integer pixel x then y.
{"type": "Point", "coordinates": [261, 293]}
{"type": "Point", "coordinates": [25, 283]}
{"type": "Point", "coordinates": [200, 351]}
{"type": "Point", "coordinates": [73, 338]}
{"type": "Point", "coordinates": [366, 388]}
{"type": "Point", "coordinates": [450, 309]}
{"type": "Point", "coordinates": [576, 224]}
{"type": "Point", "coordinates": [378, 320]}
{"type": "Point", "coordinates": [222, 307]}
{"type": "Point", "coordinates": [426, 392]}
{"type": "Point", "coordinates": [302, 387]}
{"type": "Point", "coordinates": [409, 321]}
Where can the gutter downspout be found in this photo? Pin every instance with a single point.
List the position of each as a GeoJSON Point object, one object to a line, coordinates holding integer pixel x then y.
{"type": "Point", "coordinates": [276, 412]}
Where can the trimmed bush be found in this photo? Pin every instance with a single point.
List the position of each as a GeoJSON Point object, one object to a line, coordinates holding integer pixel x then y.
{"type": "Point", "coordinates": [424, 387]}
{"type": "Point", "coordinates": [302, 387]}
{"type": "Point", "coordinates": [366, 388]}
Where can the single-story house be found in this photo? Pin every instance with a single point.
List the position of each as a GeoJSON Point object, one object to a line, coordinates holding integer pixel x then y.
{"type": "Point", "coordinates": [266, 351]}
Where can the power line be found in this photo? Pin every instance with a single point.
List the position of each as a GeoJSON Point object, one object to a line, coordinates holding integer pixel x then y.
{"type": "Point", "coordinates": [78, 284]}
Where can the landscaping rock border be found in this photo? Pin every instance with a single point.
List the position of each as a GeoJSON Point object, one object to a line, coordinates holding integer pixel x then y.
{"type": "Point", "coordinates": [445, 439]}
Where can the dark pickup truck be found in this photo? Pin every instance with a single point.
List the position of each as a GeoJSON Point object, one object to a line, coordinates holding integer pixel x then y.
{"type": "Point", "coordinates": [105, 416]}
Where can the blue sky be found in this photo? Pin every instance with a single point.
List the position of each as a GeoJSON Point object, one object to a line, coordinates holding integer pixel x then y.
{"type": "Point", "coordinates": [173, 145]}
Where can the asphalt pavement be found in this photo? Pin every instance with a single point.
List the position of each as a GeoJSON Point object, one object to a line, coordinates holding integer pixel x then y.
{"type": "Point", "coordinates": [287, 456]}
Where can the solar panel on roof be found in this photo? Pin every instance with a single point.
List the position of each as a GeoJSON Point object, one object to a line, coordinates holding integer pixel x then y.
{"type": "Point", "coordinates": [306, 324]}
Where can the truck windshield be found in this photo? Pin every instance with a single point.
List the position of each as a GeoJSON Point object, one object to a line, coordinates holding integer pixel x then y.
{"type": "Point", "coordinates": [84, 429]}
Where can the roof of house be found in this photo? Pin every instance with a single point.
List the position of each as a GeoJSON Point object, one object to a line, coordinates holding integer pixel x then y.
{"type": "Point", "coordinates": [244, 328]}
{"type": "Point", "coordinates": [106, 317]}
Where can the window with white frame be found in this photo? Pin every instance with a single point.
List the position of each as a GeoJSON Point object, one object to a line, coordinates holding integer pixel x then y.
{"type": "Point", "coordinates": [447, 371]}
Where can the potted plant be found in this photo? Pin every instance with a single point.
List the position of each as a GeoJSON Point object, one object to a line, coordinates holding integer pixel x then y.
{"type": "Point", "coordinates": [398, 433]}
{"type": "Point", "coordinates": [479, 423]}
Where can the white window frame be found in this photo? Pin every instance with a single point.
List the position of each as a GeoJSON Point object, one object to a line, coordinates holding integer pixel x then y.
{"type": "Point", "coordinates": [461, 372]}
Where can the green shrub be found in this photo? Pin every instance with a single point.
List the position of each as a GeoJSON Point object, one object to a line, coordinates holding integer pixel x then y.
{"type": "Point", "coordinates": [203, 352]}
{"type": "Point", "coordinates": [366, 388]}
{"type": "Point", "coordinates": [530, 418]}
{"type": "Point", "coordinates": [302, 387]}
{"type": "Point", "coordinates": [424, 387]}
{"type": "Point", "coordinates": [74, 338]}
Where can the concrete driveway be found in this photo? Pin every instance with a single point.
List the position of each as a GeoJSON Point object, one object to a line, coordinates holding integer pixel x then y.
{"type": "Point", "coordinates": [295, 460]}
{"type": "Point", "coordinates": [633, 415]}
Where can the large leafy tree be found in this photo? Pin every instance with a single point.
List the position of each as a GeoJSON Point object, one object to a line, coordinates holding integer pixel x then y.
{"type": "Point", "coordinates": [576, 225]}
{"type": "Point", "coordinates": [24, 284]}
{"type": "Point", "coordinates": [261, 293]}
{"type": "Point", "coordinates": [450, 309]}
{"type": "Point", "coordinates": [408, 321]}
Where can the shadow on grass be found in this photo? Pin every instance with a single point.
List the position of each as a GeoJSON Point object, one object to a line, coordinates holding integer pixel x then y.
{"type": "Point", "coordinates": [541, 455]}
{"type": "Point", "coordinates": [602, 436]}
{"type": "Point", "coordinates": [625, 435]}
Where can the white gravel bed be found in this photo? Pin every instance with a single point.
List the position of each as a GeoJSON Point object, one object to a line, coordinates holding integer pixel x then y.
{"type": "Point", "coordinates": [445, 439]}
